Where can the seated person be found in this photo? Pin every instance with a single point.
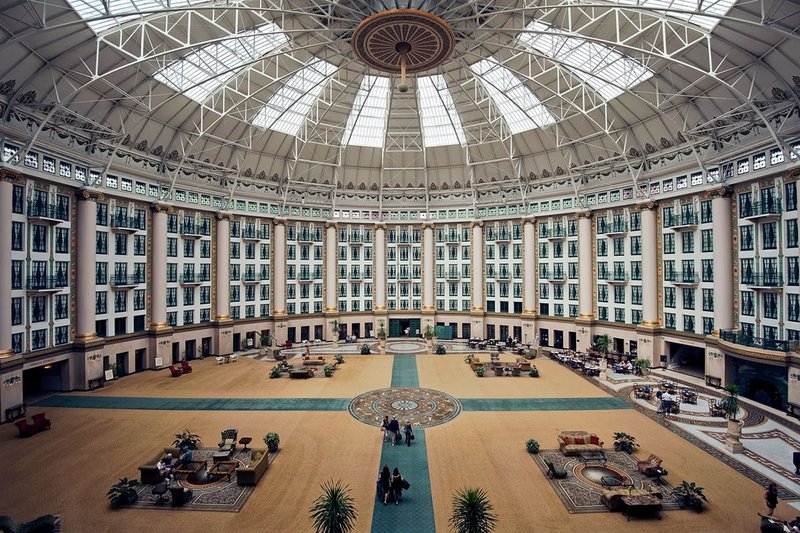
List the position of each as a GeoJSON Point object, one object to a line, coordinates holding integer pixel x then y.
{"type": "Point", "coordinates": [629, 367]}
{"type": "Point", "coordinates": [165, 465]}
{"type": "Point", "coordinates": [185, 458]}
{"type": "Point", "coordinates": [666, 402]}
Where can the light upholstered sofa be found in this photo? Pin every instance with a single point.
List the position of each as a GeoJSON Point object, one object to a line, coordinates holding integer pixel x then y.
{"type": "Point", "coordinates": [249, 475]}
{"type": "Point", "coordinates": [577, 442]}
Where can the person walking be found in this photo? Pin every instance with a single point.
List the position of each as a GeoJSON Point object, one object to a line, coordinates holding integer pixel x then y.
{"type": "Point", "coordinates": [394, 429]}
{"type": "Point", "coordinates": [397, 485]}
{"type": "Point", "coordinates": [771, 497]}
{"type": "Point", "coordinates": [409, 432]}
{"type": "Point", "coordinates": [386, 483]}
{"type": "Point", "coordinates": [385, 428]}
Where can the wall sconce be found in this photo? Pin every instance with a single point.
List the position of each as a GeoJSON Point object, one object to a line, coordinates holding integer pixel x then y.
{"type": "Point", "coordinates": [94, 357]}
{"type": "Point", "coordinates": [226, 332]}
{"type": "Point", "coordinates": [13, 380]}
{"type": "Point", "coordinates": [163, 343]}
{"type": "Point", "coordinates": [794, 377]}
{"type": "Point", "coordinates": [645, 340]}
{"type": "Point", "coordinates": [715, 355]}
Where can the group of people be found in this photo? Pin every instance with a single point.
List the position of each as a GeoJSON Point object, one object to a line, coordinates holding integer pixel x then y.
{"type": "Point", "coordinates": [391, 430]}
{"type": "Point", "coordinates": [166, 465]}
{"type": "Point", "coordinates": [391, 484]}
{"type": "Point", "coordinates": [771, 499]}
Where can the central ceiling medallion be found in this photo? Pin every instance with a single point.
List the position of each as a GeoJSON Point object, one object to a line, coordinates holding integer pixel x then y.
{"type": "Point", "coordinates": [403, 40]}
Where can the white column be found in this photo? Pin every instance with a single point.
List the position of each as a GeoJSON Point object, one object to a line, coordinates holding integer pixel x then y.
{"type": "Point", "coordinates": [723, 265]}
{"type": "Point", "coordinates": [86, 259]}
{"type": "Point", "coordinates": [158, 267]}
{"type": "Point", "coordinates": [223, 261]}
{"type": "Point", "coordinates": [649, 264]}
{"type": "Point", "coordinates": [331, 268]}
{"type": "Point", "coordinates": [279, 260]}
{"type": "Point", "coordinates": [529, 253]}
{"type": "Point", "coordinates": [585, 303]}
{"type": "Point", "coordinates": [477, 266]}
{"type": "Point", "coordinates": [379, 269]}
{"type": "Point", "coordinates": [6, 194]}
{"type": "Point", "coordinates": [428, 268]}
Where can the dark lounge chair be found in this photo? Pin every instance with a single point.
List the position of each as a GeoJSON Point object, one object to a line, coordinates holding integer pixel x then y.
{"type": "Point", "coordinates": [186, 368]}
{"type": "Point", "coordinates": [25, 428]}
{"type": "Point", "coordinates": [553, 471]}
{"type": "Point", "coordinates": [41, 422]}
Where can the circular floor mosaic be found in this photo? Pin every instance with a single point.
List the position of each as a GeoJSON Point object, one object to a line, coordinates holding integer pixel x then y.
{"type": "Point", "coordinates": [423, 407]}
{"type": "Point", "coordinates": [406, 347]}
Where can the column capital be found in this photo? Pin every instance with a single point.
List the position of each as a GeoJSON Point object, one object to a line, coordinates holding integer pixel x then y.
{"type": "Point", "coordinates": [586, 213]}
{"type": "Point", "coordinates": [162, 207]}
{"type": "Point", "coordinates": [474, 223]}
{"type": "Point", "coordinates": [13, 176]}
{"type": "Point", "coordinates": [91, 194]}
{"type": "Point", "coordinates": [718, 192]}
{"type": "Point", "coordinates": [380, 225]}
{"type": "Point", "coordinates": [331, 224]}
{"type": "Point", "coordinates": [647, 205]}
{"type": "Point", "coordinates": [427, 224]}
{"type": "Point", "coordinates": [528, 220]}
{"type": "Point", "coordinates": [224, 215]}
{"type": "Point", "coordinates": [279, 221]}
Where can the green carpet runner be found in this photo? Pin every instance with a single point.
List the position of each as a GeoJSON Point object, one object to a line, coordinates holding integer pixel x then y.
{"type": "Point", "coordinates": [415, 512]}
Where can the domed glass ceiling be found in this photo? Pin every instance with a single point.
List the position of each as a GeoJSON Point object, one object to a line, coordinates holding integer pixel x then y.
{"type": "Point", "coordinates": [245, 92]}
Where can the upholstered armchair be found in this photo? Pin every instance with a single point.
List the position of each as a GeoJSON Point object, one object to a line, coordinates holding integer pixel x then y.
{"type": "Point", "coordinates": [651, 467]}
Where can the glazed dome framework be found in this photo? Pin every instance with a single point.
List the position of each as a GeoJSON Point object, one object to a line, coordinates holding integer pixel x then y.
{"type": "Point", "coordinates": [270, 96]}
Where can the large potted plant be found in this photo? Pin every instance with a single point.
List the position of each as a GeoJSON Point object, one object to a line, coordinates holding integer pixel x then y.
{"type": "Point", "coordinates": [335, 332]}
{"type": "Point", "coordinates": [123, 493]}
{"type": "Point", "coordinates": [642, 366]}
{"type": "Point", "coordinates": [272, 440]}
{"type": "Point", "coordinates": [364, 349]}
{"type": "Point", "coordinates": [624, 442]}
{"type": "Point", "coordinates": [429, 333]}
{"type": "Point", "coordinates": [690, 496]}
{"type": "Point", "coordinates": [187, 438]}
{"type": "Point", "coordinates": [602, 343]}
{"type": "Point", "coordinates": [327, 370]}
{"type": "Point", "coordinates": [381, 335]}
{"type": "Point", "coordinates": [441, 349]}
{"type": "Point", "coordinates": [480, 371]}
{"type": "Point", "coordinates": [730, 404]}
{"type": "Point", "coordinates": [532, 445]}
{"type": "Point", "coordinates": [334, 511]}
{"type": "Point", "coordinates": [472, 512]}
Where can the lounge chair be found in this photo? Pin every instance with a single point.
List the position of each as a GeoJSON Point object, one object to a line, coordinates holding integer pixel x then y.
{"type": "Point", "coordinates": [186, 368]}
{"type": "Point", "coordinates": [553, 471]}
{"type": "Point", "coordinates": [41, 422]}
{"type": "Point", "coordinates": [25, 428]}
{"type": "Point", "coordinates": [227, 441]}
{"type": "Point", "coordinates": [651, 467]}
{"type": "Point", "coordinates": [175, 371]}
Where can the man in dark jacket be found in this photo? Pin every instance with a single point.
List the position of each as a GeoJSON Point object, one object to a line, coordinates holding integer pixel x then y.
{"type": "Point", "coordinates": [394, 428]}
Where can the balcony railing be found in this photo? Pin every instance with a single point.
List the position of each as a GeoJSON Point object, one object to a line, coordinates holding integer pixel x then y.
{"type": "Point", "coordinates": [47, 283]}
{"type": "Point", "coordinates": [255, 235]}
{"type": "Point", "coordinates": [756, 279]}
{"type": "Point", "coordinates": [744, 339]}
{"type": "Point", "coordinates": [618, 277]}
{"type": "Point", "coordinates": [189, 278]}
{"type": "Point", "coordinates": [121, 281]}
{"type": "Point", "coordinates": [686, 277]}
{"type": "Point", "coordinates": [47, 211]}
{"type": "Point", "coordinates": [760, 209]}
{"type": "Point", "coordinates": [681, 220]}
{"type": "Point", "coordinates": [127, 223]}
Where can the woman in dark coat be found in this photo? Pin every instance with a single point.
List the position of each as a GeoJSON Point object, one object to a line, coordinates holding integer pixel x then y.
{"type": "Point", "coordinates": [386, 483]}
{"type": "Point", "coordinates": [397, 485]}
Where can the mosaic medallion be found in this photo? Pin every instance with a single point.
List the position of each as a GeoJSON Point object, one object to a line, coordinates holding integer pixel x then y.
{"type": "Point", "coordinates": [404, 347]}
{"type": "Point", "coordinates": [422, 407]}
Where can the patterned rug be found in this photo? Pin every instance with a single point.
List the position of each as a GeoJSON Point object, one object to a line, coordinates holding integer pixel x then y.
{"type": "Point", "coordinates": [422, 407]}
{"type": "Point", "coordinates": [581, 490]}
{"type": "Point", "coordinates": [209, 493]}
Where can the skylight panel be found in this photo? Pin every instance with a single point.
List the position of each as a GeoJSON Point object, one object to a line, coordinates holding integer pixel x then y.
{"type": "Point", "coordinates": [206, 69]}
{"type": "Point", "coordinates": [440, 123]}
{"type": "Point", "coordinates": [604, 69]}
{"type": "Point", "coordinates": [288, 108]}
{"type": "Point", "coordinates": [521, 109]}
{"type": "Point", "coordinates": [366, 125]}
{"type": "Point", "coordinates": [89, 9]}
{"type": "Point", "coordinates": [712, 7]}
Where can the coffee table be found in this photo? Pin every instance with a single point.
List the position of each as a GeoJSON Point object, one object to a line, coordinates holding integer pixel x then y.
{"type": "Point", "coordinates": [223, 469]}
{"type": "Point", "coordinates": [593, 457]}
{"type": "Point", "coordinates": [641, 507]}
{"type": "Point", "coordinates": [191, 468]}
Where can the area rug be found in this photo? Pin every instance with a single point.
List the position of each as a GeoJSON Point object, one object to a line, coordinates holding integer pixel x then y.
{"type": "Point", "coordinates": [213, 493]}
{"type": "Point", "coordinates": [581, 490]}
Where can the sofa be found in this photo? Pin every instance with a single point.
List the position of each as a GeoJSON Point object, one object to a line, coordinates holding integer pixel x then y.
{"type": "Point", "coordinates": [148, 473]}
{"type": "Point", "coordinates": [612, 498]}
{"type": "Point", "coordinates": [249, 475]}
{"type": "Point", "coordinates": [578, 442]}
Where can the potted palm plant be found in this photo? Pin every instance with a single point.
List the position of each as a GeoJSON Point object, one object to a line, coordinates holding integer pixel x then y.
{"type": "Point", "coordinates": [334, 511]}
{"type": "Point", "coordinates": [472, 512]}
{"type": "Point", "coordinates": [327, 370]}
{"type": "Point", "coordinates": [272, 440]}
{"type": "Point", "coordinates": [624, 442]}
{"type": "Point", "coordinates": [480, 371]}
{"type": "Point", "coordinates": [335, 332]}
{"type": "Point", "coordinates": [187, 438]}
{"type": "Point", "coordinates": [602, 343]}
{"type": "Point", "coordinates": [690, 496]}
{"type": "Point", "coordinates": [642, 366]}
{"type": "Point", "coordinates": [381, 335]}
{"type": "Point", "coordinates": [428, 334]}
{"type": "Point", "coordinates": [532, 446]}
{"type": "Point", "coordinates": [533, 372]}
{"type": "Point", "coordinates": [123, 493]}
{"type": "Point", "coordinates": [730, 404]}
